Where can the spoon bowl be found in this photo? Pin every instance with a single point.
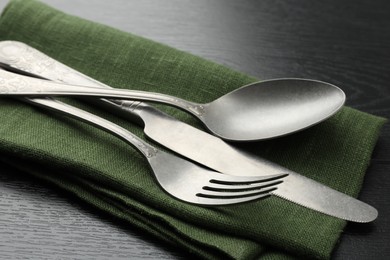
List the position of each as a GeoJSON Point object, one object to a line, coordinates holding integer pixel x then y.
{"type": "Point", "coordinates": [271, 108]}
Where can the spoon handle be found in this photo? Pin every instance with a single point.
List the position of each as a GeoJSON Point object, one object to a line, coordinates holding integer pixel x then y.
{"type": "Point", "coordinates": [18, 85]}
{"type": "Point", "coordinates": [17, 56]}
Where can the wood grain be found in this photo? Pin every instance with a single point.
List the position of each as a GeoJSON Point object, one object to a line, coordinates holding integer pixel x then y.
{"type": "Point", "coordinates": [343, 42]}
{"type": "Point", "coordinates": [38, 222]}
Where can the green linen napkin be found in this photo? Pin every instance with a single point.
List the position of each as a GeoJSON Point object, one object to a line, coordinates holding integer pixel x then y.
{"type": "Point", "coordinates": [110, 175]}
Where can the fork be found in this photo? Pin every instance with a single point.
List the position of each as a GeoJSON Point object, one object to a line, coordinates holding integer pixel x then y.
{"type": "Point", "coordinates": [180, 178]}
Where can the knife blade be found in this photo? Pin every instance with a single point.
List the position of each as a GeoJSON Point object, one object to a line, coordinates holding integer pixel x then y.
{"type": "Point", "coordinates": [191, 142]}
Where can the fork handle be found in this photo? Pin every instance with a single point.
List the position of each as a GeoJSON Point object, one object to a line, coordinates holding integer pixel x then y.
{"type": "Point", "coordinates": [48, 103]}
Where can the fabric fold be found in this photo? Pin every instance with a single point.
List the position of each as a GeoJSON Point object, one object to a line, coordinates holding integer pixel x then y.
{"type": "Point", "coordinates": [113, 177]}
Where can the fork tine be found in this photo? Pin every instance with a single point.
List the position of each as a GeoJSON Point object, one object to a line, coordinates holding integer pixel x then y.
{"type": "Point", "coordinates": [234, 193]}
{"type": "Point", "coordinates": [244, 182]}
{"type": "Point", "coordinates": [218, 186]}
{"type": "Point", "coordinates": [217, 201]}
{"type": "Point", "coordinates": [228, 189]}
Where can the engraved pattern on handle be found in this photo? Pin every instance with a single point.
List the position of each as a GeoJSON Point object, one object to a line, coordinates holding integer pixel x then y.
{"type": "Point", "coordinates": [128, 105]}
{"type": "Point", "coordinates": [10, 82]}
{"type": "Point", "coordinates": [24, 58]}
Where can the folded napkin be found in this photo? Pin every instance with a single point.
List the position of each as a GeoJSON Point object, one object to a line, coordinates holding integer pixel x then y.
{"type": "Point", "coordinates": [110, 175]}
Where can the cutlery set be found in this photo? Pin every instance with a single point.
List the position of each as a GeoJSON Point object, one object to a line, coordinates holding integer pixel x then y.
{"type": "Point", "coordinates": [257, 111]}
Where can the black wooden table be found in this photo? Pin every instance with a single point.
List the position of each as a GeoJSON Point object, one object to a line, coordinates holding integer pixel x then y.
{"type": "Point", "coordinates": [343, 42]}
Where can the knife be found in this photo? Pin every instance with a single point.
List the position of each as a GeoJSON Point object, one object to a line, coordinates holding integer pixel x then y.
{"type": "Point", "coordinates": [191, 142]}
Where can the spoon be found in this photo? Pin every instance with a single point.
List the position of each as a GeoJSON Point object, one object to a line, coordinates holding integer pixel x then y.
{"type": "Point", "coordinates": [256, 111]}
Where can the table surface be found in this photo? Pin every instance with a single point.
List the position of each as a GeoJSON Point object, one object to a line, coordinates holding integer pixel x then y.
{"type": "Point", "coordinates": [346, 43]}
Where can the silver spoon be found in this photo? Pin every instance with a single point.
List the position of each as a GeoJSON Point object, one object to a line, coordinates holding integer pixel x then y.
{"type": "Point", "coordinates": [256, 111]}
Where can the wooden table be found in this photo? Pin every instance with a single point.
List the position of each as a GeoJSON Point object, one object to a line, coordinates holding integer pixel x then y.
{"type": "Point", "coordinates": [343, 42]}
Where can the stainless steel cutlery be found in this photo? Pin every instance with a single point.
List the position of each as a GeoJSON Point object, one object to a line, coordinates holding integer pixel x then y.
{"type": "Point", "coordinates": [191, 142]}
{"type": "Point", "coordinates": [180, 178]}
